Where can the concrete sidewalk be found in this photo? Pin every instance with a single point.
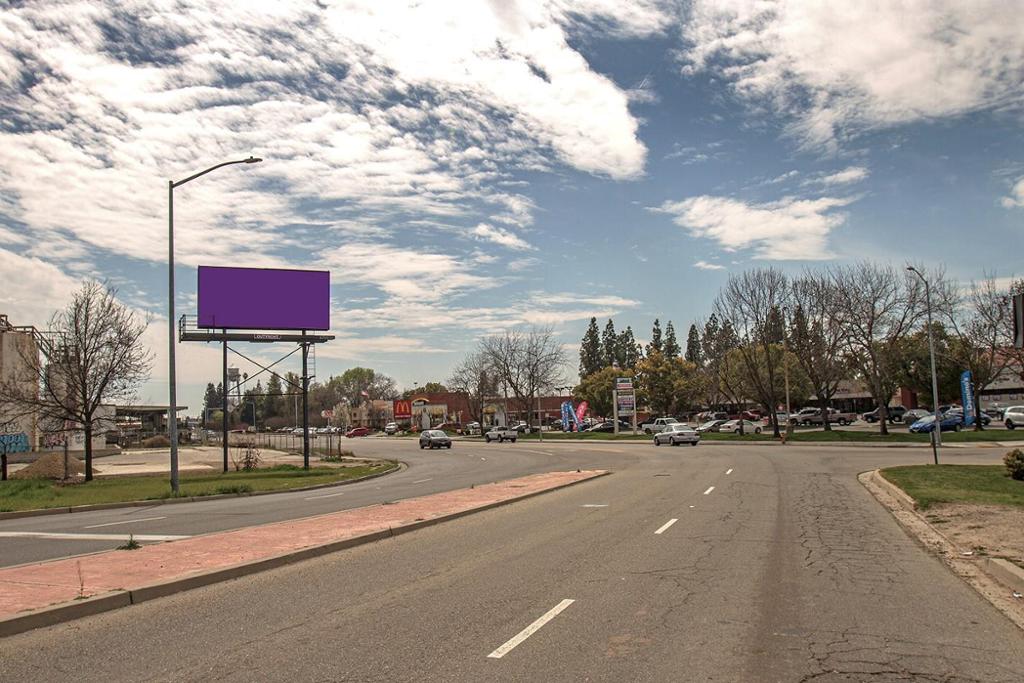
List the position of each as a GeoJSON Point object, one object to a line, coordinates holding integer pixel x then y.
{"type": "Point", "coordinates": [44, 593]}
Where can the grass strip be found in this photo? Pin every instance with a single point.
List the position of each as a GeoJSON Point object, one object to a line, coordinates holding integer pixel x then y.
{"type": "Point", "coordinates": [32, 494]}
{"type": "Point", "coordinates": [981, 484]}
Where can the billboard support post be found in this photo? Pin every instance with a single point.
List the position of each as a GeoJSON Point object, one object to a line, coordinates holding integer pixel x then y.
{"type": "Point", "coordinates": [305, 403]}
{"type": "Point", "coordinates": [224, 409]}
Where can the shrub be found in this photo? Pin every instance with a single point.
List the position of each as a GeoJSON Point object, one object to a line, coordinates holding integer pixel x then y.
{"type": "Point", "coordinates": [234, 488]}
{"type": "Point", "coordinates": [337, 457]}
{"type": "Point", "coordinates": [1014, 461]}
{"type": "Point", "coordinates": [158, 441]}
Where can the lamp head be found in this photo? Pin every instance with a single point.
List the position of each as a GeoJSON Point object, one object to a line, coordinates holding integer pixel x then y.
{"type": "Point", "coordinates": [253, 160]}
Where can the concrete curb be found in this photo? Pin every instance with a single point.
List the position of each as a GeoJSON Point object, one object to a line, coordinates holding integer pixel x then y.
{"type": "Point", "coordinates": [42, 512]}
{"type": "Point", "coordinates": [1005, 572]}
{"type": "Point", "coordinates": [70, 611]}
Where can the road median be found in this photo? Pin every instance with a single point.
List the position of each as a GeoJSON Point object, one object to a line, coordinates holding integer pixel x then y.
{"type": "Point", "coordinates": [46, 593]}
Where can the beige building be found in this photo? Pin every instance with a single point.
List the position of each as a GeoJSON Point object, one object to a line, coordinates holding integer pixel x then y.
{"type": "Point", "coordinates": [18, 346]}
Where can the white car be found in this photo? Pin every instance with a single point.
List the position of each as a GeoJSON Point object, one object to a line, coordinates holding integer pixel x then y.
{"type": "Point", "coordinates": [677, 434]}
{"type": "Point", "coordinates": [1013, 417]}
{"type": "Point", "coordinates": [733, 427]}
{"type": "Point", "coordinates": [391, 428]}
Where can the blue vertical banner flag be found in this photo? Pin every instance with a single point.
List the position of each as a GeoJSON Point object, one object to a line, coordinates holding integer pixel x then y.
{"type": "Point", "coordinates": [566, 409]}
{"type": "Point", "coordinates": [967, 397]}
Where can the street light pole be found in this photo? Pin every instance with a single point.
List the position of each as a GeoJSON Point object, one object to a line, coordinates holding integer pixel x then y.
{"type": "Point", "coordinates": [785, 365]}
{"type": "Point", "coordinates": [937, 427]}
{"type": "Point", "coordinates": [172, 408]}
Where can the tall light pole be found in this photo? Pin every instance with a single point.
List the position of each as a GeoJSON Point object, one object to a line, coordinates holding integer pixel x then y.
{"type": "Point", "coordinates": [937, 428]}
{"type": "Point", "coordinates": [172, 408]}
{"type": "Point", "coordinates": [785, 364]}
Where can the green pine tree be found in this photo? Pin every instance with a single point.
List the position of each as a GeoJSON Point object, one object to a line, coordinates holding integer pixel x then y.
{"type": "Point", "coordinates": [590, 351]}
{"type": "Point", "coordinates": [628, 351]}
{"type": "Point", "coordinates": [655, 344]}
{"type": "Point", "coordinates": [609, 345]}
{"type": "Point", "coordinates": [670, 347]}
{"type": "Point", "coordinates": [693, 347]}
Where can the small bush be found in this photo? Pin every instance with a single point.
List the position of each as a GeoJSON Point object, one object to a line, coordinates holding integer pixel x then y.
{"type": "Point", "coordinates": [130, 544]}
{"type": "Point", "coordinates": [158, 441]}
{"type": "Point", "coordinates": [337, 457]}
{"type": "Point", "coordinates": [234, 488]}
{"type": "Point", "coordinates": [1014, 461]}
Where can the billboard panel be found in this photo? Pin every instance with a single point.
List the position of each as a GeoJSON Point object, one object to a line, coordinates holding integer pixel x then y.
{"type": "Point", "coordinates": [264, 298]}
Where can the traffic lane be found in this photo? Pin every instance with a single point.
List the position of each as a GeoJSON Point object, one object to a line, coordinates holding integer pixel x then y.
{"type": "Point", "coordinates": [847, 595]}
{"type": "Point", "coordinates": [428, 472]}
{"type": "Point", "coordinates": [414, 606]}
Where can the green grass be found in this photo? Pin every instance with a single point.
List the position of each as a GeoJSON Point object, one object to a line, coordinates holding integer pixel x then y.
{"type": "Point", "coordinates": [30, 494]}
{"type": "Point", "coordinates": [982, 484]}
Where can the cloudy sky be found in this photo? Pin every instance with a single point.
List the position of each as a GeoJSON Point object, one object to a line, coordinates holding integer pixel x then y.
{"type": "Point", "coordinates": [460, 167]}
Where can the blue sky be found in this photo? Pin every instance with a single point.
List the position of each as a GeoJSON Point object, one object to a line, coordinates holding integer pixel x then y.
{"type": "Point", "coordinates": [531, 163]}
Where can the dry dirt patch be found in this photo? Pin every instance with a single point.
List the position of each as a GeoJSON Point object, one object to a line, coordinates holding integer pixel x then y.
{"type": "Point", "coordinates": [987, 530]}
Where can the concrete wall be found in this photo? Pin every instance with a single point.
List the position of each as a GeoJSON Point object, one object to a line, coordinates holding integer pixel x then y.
{"type": "Point", "coordinates": [17, 344]}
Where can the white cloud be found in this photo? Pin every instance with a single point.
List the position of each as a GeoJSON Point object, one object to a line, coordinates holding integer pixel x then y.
{"type": "Point", "coordinates": [365, 109]}
{"type": "Point", "coordinates": [32, 289]}
{"type": "Point", "coordinates": [704, 265]}
{"type": "Point", "coordinates": [789, 229]}
{"type": "Point", "coordinates": [1016, 197]}
{"type": "Point", "coordinates": [505, 238]}
{"type": "Point", "coordinates": [851, 174]}
{"type": "Point", "coordinates": [838, 69]}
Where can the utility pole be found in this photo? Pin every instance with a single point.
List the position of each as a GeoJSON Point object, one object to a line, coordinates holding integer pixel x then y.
{"type": "Point", "coordinates": [937, 427]}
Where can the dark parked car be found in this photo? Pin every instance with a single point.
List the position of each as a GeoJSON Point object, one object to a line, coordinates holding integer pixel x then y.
{"type": "Point", "coordinates": [608, 426]}
{"type": "Point", "coordinates": [915, 414]}
{"type": "Point", "coordinates": [435, 438]}
{"type": "Point", "coordinates": [926, 425]}
{"type": "Point", "coordinates": [985, 419]}
{"type": "Point", "coordinates": [895, 414]}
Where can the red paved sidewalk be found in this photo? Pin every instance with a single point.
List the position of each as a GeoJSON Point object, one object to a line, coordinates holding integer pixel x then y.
{"type": "Point", "coordinates": [32, 587]}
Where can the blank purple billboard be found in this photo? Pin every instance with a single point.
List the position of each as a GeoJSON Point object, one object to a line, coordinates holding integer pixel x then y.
{"type": "Point", "coordinates": [264, 298]}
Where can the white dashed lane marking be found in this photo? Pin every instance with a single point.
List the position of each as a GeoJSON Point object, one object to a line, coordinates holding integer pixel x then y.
{"type": "Point", "coordinates": [515, 640]}
{"type": "Point", "coordinates": [666, 525]}
{"type": "Point", "coordinates": [710, 489]}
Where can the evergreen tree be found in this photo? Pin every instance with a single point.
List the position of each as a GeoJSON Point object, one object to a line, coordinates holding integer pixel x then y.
{"type": "Point", "coordinates": [655, 344]}
{"type": "Point", "coordinates": [591, 359]}
{"type": "Point", "coordinates": [628, 354]}
{"type": "Point", "coordinates": [671, 345]}
{"type": "Point", "coordinates": [273, 404]}
{"type": "Point", "coordinates": [211, 400]}
{"type": "Point", "coordinates": [609, 345]}
{"type": "Point", "coordinates": [693, 350]}
{"type": "Point", "coordinates": [775, 330]}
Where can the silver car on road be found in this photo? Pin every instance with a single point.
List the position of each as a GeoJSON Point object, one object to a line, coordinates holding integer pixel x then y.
{"type": "Point", "coordinates": [676, 434]}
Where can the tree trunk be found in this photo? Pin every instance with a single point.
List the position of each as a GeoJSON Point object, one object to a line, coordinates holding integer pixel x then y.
{"type": "Point", "coordinates": [823, 403]}
{"type": "Point", "coordinates": [883, 419]}
{"type": "Point", "coordinates": [977, 412]}
{"type": "Point", "coordinates": [88, 450]}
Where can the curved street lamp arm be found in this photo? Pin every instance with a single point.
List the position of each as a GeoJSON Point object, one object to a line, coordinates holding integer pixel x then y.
{"type": "Point", "coordinates": [250, 160]}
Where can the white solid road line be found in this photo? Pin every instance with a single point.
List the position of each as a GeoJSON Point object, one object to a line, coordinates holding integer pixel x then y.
{"type": "Point", "coordinates": [594, 505]}
{"type": "Point", "coordinates": [420, 481]}
{"type": "Point", "coordinates": [127, 521]}
{"type": "Point", "coordinates": [510, 644]}
{"type": "Point", "coordinates": [729, 471]}
{"type": "Point", "coordinates": [666, 525]}
{"type": "Point", "coordinates": [88, 537]}
{"type": "Point", "coordinates": [710, 489]}
{"type": "Point", "coordinates": [327, 495]}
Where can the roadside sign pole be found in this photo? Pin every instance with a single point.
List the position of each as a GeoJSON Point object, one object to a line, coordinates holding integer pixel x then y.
{"type": "Point", "coordinates": [615, 409]}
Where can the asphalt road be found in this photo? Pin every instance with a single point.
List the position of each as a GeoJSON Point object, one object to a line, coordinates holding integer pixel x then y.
{"type": "Point", "coordinates": [779, 566]}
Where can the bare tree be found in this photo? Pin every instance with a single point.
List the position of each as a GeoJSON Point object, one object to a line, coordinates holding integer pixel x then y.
{"type": "Point", "coordinates": [981, 324]}
{"type": "Point", "coordinates": [879, 306]}
{"type": "Point", "coordinates": [817, 338]}
{"type": "Point", "coordinates": [526, 362]}
{"type": "Point", "coordinates": [93, 356]}
{"type": "Point", "coordinates": [752, 304]}
{"type": "Point", "coordinates": [475, 378]}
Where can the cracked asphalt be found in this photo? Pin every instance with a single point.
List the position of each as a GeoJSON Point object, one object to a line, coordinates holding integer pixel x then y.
{"type": "Point", "coordinates": [788, 570]}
